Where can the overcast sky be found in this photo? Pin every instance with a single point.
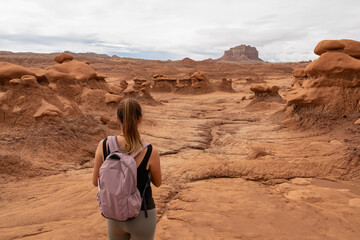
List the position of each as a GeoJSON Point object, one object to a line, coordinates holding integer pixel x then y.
{"type": "Point", "coordinates": [281, 30]}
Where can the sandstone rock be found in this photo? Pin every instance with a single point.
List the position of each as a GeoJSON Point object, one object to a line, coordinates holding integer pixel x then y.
{"type": "Point", "coordinates": [99, 76]}
{"type": "Point", "coordinates": [123, 85]}
{"type": "Point", "coordinates": [184, 82]}
{"type": "Point", "coordinates": [15, 81]}
{"type": "Point", "coordinates": [10, 71]}
{"type": "Point", "coordinates": [200, 82]}
{"type": "Point", "coordinates": [199, 77]}
{"type": "Point", "coordinates": [157, 75]}
{"type": "Point", "coordinates": [3, 97]}
{"type": "Point", "coordinates": [163, 83]}
{"type": "Point", "coordinates": [29, 81]}
{"type": "Point", "coordinates": [112, 98]}
{"type": "Point", "coordinates": [347, 46]}
{"type": "Point", "coordinates": [138, 83]}
{"type": "Point", "coordinates": [225, 85]}
{"type": "Point", "coordinates": [46, 109]}
{"type": "Point", "coordinates": [262, 88]}
{"type": "Point", "coordinates": [130, 92]}
{"type": "Point", "coordinates": [241, 53]}
{"type": "Point", "coordinates": [93, 99]}
{"type": "Point", "coordinates": [328, 45]}
{"type": "Point", "coordinates": [257, 152]}
{"type": "Point", "coordinates": [145, 89]}
{"type": "Point", "coordinates": [63, 57]}
{"type": "Point", "coordinates": [39, 74]}
{"type": "Point", "coordinates": [299, 73]}
{"type": "Point", "coordinates": [334, 65]}
{"type": "Point", "coordinates": [352, 47]}
{"type": "Point", "coordinates": [265, 93]}
{"type": "Point", "coordinates": [70, 70]}
{"type": "Point", "coordinates": [55, 76]}
{"type": "Point", "coordinates": [357, 122]}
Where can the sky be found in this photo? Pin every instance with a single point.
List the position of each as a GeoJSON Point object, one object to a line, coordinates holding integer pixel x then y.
{"type": "Point", "coordinates": [281, 30]}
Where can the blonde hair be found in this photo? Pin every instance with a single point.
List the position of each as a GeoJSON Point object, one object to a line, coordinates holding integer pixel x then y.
{"type": "Point", "coordinates": [129, 113]}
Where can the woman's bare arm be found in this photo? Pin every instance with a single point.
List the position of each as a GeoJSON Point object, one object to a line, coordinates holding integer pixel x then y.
{"type": "Point", "coordinates": [154, 165]}
{"type": "Point", "coordinates": [98, 160]}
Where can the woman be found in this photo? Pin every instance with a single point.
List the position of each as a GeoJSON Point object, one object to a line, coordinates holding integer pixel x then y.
{"type": "Point", "coordinates": [129, 116]}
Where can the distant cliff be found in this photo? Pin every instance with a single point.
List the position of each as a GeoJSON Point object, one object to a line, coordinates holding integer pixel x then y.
{"type": "Point", "coordinates": [240, 54]}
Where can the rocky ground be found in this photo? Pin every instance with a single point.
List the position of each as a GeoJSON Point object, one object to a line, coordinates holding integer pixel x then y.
{"type": "Point", "coordinates": [230, 172]}
{"type": "Point", "coordinates": [231, 169]}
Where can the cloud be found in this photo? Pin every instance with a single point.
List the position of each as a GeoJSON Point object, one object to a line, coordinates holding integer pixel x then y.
{"type": "Point", "coordinates": [159, 29]}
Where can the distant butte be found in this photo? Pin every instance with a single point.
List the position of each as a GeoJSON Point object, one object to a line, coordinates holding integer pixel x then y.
{"type": "Point", "coordinates": [241, 53]}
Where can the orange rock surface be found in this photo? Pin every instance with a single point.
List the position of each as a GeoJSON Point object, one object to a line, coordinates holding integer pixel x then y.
{"type": "Point", "coordinates": [234, 164]}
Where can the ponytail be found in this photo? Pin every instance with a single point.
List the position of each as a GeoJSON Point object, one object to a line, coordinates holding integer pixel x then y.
{"type": "Point", "coordinates": [129, 113]}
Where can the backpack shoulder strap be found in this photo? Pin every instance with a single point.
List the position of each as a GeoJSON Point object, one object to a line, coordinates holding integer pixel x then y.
{"type": "Point", "coordinates": [147, 155]}
{"type": "Point", "coordinates": [113, 145]}
{"type": "Point", "coordinates": [145, 144]}
{"type": "Point", "coordinates": [105, 149]}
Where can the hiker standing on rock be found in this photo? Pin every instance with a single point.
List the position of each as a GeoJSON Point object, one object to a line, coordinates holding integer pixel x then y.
{"type": "Point", "coordinates": [123, 169]}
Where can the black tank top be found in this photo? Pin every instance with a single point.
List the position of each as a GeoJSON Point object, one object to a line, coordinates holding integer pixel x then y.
{"type": "Point", "coordinates": [142, 177]}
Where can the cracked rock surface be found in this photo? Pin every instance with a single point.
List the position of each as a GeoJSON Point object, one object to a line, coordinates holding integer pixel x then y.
{"type": "Point", "coordinates": [304, 187]}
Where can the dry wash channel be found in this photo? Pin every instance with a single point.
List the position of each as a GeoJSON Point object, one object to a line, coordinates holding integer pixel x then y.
{"type": "Point", "coordinates": [239, 174]}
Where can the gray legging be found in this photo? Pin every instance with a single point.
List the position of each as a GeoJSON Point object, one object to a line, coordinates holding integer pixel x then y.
{"type": "Point", "coordinates": [139, 228]}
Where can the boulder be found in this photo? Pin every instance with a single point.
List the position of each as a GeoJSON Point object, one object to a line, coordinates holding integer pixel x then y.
{"type": "Point", "coordinates": [112, 98]}
{"type": "Point", "coordinates": [352, 47]}
{"type": "Point", "coordinates": [29, 81]}
{"type": "Point", "coordinates": [262, 88]}
{"type": "Point", "coordinates": [63, 57]}
{"type": "Point", "coordinates": [347, 46]}
{"type": "Point", "coordinates": [328, 45]}
{"type": "Point", "coordinates": [10, 71]}
{"type": "Point", "coordinates": [265, 93]}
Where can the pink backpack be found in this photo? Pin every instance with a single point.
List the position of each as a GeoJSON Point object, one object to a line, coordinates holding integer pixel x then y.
{"type": "Point", "coordinates": [118, 195]}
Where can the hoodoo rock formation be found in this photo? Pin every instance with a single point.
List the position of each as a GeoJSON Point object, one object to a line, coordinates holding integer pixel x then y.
{"type": "Point", "coordinates": [140, 90]}
{"type": "Point", "coordinates": [265, 93]}
{"type": "Point", "coordinates": [67, 89]}
{"type": "Point", "coordinates": [163, 83]}
{"type": "Point", "coordinates": [197, 83]}
{"type": "Point", "coordinates": [241, 53]}
{"type": "Point", "coordinates": [299, 76]}
{"type": "Point", "coordinates": [331, 83]}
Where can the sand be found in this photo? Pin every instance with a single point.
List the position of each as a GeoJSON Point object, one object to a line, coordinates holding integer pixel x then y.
{"type": "Point", "coordinates": [231, 168]}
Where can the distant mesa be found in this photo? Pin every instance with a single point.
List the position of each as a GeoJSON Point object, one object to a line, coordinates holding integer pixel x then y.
{"type": "Point", "coordinates": [187, 61]}
{"type": "Point", "coordinates": [241, 53]}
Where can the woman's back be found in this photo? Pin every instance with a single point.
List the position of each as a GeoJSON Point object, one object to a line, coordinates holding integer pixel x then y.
{"type": "Point", "coordinates": [129, 115]}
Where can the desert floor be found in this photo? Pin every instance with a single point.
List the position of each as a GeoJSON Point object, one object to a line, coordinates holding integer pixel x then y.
{"type": "Point", "coordinates": [230, 171]}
